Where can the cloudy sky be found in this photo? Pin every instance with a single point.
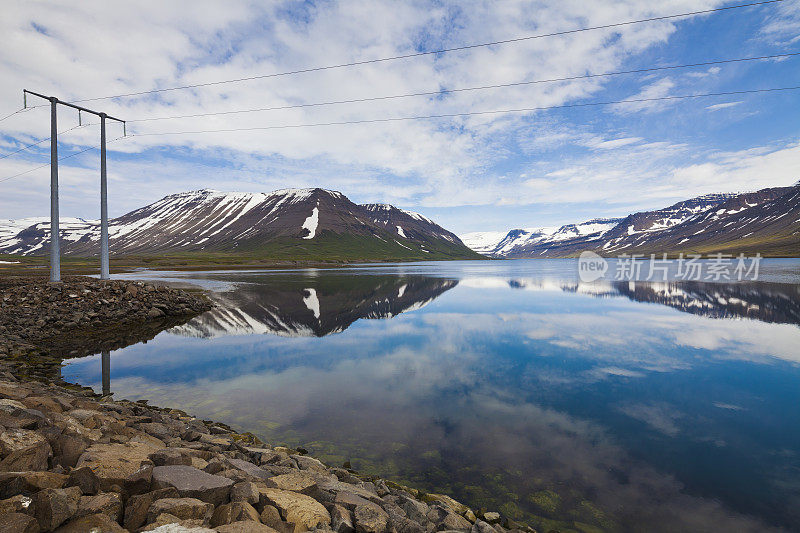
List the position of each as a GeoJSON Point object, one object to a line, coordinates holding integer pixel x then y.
{"type": "Point", "coordinates": [481, 172]}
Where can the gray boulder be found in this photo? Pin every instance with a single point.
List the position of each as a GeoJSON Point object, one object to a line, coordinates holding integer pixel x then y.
{"type": "Point", "coordinates": [193, 483]}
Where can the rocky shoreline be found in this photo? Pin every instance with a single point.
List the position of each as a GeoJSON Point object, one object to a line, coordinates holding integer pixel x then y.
{"type": "Point", "coordinates": [42, 323]}
{"type": "Point", "coordinates": [73, 461]}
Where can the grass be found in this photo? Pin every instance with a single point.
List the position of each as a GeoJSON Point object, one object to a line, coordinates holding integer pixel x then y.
{"type": "Point", "coordinates": [325, 250]}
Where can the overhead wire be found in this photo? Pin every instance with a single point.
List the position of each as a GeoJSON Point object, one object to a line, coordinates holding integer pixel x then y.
{"type": "Point", "coordinates": [470, 113]}
{"type": "Point", "coordinates": [59, 160]}
{"type": "Point", "coordinates": [428, 52]}
{"type": "Point", "coordinates": [465, 89]}
{"type": "Point", "coordinates": [45, 140]}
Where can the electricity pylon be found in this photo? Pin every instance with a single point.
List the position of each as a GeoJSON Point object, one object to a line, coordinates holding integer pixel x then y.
{"type": "Point", "coordinates": [55, 240]}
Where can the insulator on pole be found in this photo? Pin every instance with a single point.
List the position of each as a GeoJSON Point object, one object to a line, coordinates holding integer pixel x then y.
{"type": "Point", "coordinates": [124, 129]}
{"type": "Point", "coordinates": [24, 100]}
{"type": "Point", "coordinates": [79, 118]}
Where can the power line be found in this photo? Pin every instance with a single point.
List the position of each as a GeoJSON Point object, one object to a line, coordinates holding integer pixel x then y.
{"type": "Point", "coordinates": [22, 110]}
{"type": "Point", "coordinates": [432, 52]}
{"type": "Point", "coordinates": [482, 87]}
{"type": "Point", "coordinates": [453, 115]}
{"type": "Point", "coordinates": [59, 159]}
{"type": "Point", "coordinates": [45, 139]}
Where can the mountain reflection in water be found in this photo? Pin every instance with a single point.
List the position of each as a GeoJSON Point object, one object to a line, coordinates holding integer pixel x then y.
{"type": "Point", "coordinates": [321, 305]}
{"type": "Point", "coordinates": [575, 407]}
{"type": "Point", "coordinates": [314, 306]}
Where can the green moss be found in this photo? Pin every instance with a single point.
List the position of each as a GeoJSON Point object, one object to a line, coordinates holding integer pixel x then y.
{"type": "Point", "coordinates": [546, 500]}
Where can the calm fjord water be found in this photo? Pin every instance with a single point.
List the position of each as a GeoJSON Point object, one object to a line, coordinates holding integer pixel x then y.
{"type": "Point", "coordinates": [509, 385]}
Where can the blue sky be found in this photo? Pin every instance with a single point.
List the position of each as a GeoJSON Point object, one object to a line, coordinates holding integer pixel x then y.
{"type": "Point", "coordinates": [489, 172]}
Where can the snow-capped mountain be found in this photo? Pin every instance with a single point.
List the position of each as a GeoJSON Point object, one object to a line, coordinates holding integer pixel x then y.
{"type": "Point", "coordinates": [515, 239]}
{"type": "Point", "coordinates": [765, 221]}
{"type": "Point", "coordinates": [291, 223]}
{"type": "Point", "coordinates": [483, 242]}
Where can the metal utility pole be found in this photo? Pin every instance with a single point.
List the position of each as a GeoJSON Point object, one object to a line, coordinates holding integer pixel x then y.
{"type": "Point", "coordinates": [55, 240]}
{"type": "Point", "coordinates": [104, 273]}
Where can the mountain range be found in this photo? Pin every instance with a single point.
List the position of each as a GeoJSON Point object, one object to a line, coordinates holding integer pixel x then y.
{"type": "Point", "coordinates": [310, 224]}
{"type": "Point", "coordinates": [766, 222]}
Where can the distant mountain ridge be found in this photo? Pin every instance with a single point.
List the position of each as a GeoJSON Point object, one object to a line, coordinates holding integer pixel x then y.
{"type": "Point", "coordinates": [765, 221]}
{"type": "Point", "coordinates": [288, 223]}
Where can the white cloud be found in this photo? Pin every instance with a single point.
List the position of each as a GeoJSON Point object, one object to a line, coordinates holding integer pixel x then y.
{"type": "Point", "coordinates": [724, 105]}
{"type": "Point", "coordinates": [450, 162]}
{"type": "Point", "coordinates": [657, 89]}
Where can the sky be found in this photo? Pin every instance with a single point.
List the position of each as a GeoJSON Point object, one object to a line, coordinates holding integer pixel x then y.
{"type": "Point", "coordinates": [486, 172]}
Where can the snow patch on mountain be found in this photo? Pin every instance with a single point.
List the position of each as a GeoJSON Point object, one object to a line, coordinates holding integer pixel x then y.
{"type": "Point", "coordinates": [311, 223]}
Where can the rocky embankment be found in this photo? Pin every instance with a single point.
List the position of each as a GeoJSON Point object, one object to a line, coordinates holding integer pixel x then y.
{"type": "Point", "coordinates": [74, 462]}
{"type": "Point", "coordinates": [41, 322]}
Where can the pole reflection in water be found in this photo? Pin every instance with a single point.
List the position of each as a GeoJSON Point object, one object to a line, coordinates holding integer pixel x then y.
{"type": "Point", "coordinates": [106, 358]}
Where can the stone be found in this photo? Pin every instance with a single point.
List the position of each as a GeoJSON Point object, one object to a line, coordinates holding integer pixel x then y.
{"type": "Point", "coordinates": [271, 516]}
{"type": "Point", "coordinates": [296, 482]}
{"type": "Point", "coordinates": [13, 483]}
{"type": "Point", "coordinates": [304, 512]}
{"type": "Point", "coordinates": [415, 510]}
{"type": "Point", "coordinates": [16, 504]}
{"type": "Point", "coordinates": [182, 508]}
{"type": "Point", "coordinates": [491, 517]}
{"type": "Point", "coordinates": [156, 429]}
{"type": "Point", "coordinates": [139, 481]}
{"type": "Point", "coordinates": [13, 416]}
{"type": "Point", "coordinates": [85, 479]}
{"type": "Point", "coordinates": [145, 438]}
{"type": "Point", "coordinates": [137, 506]}
{"type": "Point", "coordinates": [334, 487]}
{"type": "Point", "coordinates": [309, 463]}
{"type": "Point", "coordinates": [470, 515]}
{"type": "Point", "coordinates": [482, 527]}
{"type": "Point", "coordinates": [233, 512]}
{"type": "Point", "coordinates": [370, 518]}
{"type": "Point", "coordinates": [13, 440]}
{"type": "Point", "coordinates": [114, 463]}
{"type": "Point", "coordinates": [223, 441]}
{"type": "Point", "coordinates": [380, 488]}
{"type": "Point", "coordinates": [68, 449]}
{"type": "Point", "coordinates": [245, 491]}
{"type": "Point", "coordinates": [341, 519]}
{"type": "Point", "coordinates": [400, 523]}
{"type": "Point", "coordinates": [95, 523]}
{"type": "Point", "coordinates": [33, 458]}
{"type": "Point", "coordinates": [18, 523]}
{"type": "Point", "coordinates": [155, 312]}
{"type": "Point", "coordinates": [166, 523]}
{"type": "Point", "coordinates": [107, 503]}
{"type": "Point", "coordinates": [349, 500]}
{"type": "Point", "coordinates": [193, 483]}
{"type": "Point", "coordinates": [170, 456]}
{"type": "Point", "coordinates": [43, 403]}
{"type": "Point", "coordinates": [14, 391]}
{"type": "Point", "coordinates": [245, 527]}
{"type": "Point", "coordinates": [53, 507]}
{"type": "Point", "coordinates": [456, 507]}
{"type": "Point", "coordinates": [248, 468]}
{"type": "Point", "coordinates": [444, 518]}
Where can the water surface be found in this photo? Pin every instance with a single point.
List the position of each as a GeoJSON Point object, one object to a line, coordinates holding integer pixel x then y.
{"type": "Point", "coordinates": [620, 406]}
